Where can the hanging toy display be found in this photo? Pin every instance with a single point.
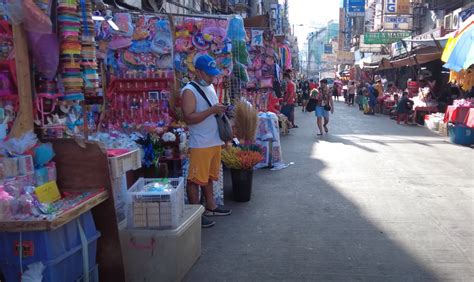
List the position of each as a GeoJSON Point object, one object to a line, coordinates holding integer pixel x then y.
{"type": "Point", "coordinates": [142, 50]}
{"type": "Point", "coordinates": [261, 70]}
{"type": "Point", "coordinates": [196, 36]}
{"type": "Point", "coordinates": [69, 22]}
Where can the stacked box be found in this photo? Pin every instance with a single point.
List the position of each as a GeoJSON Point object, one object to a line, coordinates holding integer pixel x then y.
{"type": "Point", "coordinates": [155, 209]}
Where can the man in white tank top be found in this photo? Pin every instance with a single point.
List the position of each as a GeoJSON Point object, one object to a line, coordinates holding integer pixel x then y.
{"type": "Point", "coordinates": [204, 141]}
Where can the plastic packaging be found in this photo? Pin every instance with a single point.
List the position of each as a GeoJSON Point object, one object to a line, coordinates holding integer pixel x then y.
{"type": "Point", "coordinates": [236, 29]}
{"type": "Point", "coordinates": [19, 146]}
{"type": "Point", "coordinates": [34, 273]}
{"type": "Point", "coordinates": [45, 53]}
{"type": "Point", "coordinates": [14, 10]}
{"type": "Point", "coordinates": [239, 51]}
{"type": "Point", "coordinates": [35, 20]}
{"type": "Point", "coordinates": [43, 154]}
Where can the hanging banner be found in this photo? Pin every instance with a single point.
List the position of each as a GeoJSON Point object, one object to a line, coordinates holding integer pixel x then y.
{"type": "Point", "coordinates": [257, 38]}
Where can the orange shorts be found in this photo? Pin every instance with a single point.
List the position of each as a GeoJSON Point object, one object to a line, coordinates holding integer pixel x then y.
{"type": "Point", "coordinates": [204, 165]}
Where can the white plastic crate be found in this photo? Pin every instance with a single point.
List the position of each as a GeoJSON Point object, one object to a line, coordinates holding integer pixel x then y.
{"type": "Point", "coordinates": [119, 190]}
{"type": "Point", "coordinates": [121, 164]}
{"type": "Point", "coordinates": [155, 210]}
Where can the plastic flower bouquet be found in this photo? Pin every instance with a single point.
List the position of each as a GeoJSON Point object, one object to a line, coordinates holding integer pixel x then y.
{"type": "Point", "coordinates": [243, 157]}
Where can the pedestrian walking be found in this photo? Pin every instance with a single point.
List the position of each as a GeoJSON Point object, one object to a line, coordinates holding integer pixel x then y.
{"type": "Point", "coordinates": [204, 141]}
{"type": "Point", "coordinates": [351, 90]}
{"type": "Point", "coordinates": [324, 106]}
{"type": "Point", "coordinates": [305, 90]}
{"type": "Point", "coordinates": [335, 92]}
{"type": "Point", "coordinates": [289, 99]}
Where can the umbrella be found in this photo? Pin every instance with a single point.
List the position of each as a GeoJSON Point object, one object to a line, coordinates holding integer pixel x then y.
{"type": "Point", "coordinates": [458, 52]}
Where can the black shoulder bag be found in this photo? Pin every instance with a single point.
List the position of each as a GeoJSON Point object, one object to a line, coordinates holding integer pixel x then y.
{"type": "Point", "coordinates": [223, 123]}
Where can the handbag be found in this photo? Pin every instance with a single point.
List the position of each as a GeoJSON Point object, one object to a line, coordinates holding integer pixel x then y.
{"type": "Point", "coordinates": [311, 106]}
{"type": "Point", "coordinates": [327, 107]}
{"type": "Point", "coordinates": [223, 123]}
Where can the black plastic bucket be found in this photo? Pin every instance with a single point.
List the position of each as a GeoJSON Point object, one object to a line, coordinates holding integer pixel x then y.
{"type": "Point", "coordinates": [241, 184]}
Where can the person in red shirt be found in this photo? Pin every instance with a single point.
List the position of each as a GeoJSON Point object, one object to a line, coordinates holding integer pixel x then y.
{"type": "Point", "coordinates": [289, 99]}
{"type": "Point", "coordinates": [312, 85]}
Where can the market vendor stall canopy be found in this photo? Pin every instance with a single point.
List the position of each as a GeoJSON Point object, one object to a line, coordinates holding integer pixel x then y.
{"type": "Point", "coordinates": [459, 51]}
{"type": "Point", "coordinates": [410, 60]}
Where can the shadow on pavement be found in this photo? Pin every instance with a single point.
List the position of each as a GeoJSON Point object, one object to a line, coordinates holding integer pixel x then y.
{"type": "Point", "coordinates": [298, 226]}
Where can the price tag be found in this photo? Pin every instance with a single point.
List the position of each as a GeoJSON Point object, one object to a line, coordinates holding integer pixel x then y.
{"type": "Point", "coordinates": [48, 193]}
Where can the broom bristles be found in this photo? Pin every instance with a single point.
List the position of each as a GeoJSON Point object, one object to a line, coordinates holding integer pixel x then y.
{"type": "Point", "coordinates": [246, 121]}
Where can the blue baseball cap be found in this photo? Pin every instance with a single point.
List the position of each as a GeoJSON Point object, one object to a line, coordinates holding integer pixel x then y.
{"type": "Point", "coordinates": [207, 64]}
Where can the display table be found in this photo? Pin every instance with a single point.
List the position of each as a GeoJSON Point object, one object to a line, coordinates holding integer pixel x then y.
{"type": "Point", "coordinates": [457, 114]}
{"type": "Point", "coordinates": [469, 121]}
{"type": "Point", "coordinates": [421, 109]}
{"type": "Point", "coordinates": [42, 224]}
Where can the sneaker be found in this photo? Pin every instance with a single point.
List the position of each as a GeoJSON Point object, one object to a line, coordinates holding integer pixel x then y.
{"type": "Point", "coordinates": [218, 211]}
{"type": "Point", "coordinates": [206, 222]}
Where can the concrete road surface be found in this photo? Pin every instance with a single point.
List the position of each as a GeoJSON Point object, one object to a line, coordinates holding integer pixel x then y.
{"type": "Point", "coordinates": [370, 201]}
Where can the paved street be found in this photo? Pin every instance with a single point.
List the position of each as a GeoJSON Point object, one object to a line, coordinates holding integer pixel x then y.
{"type": "Point", "coordinates": [371, 201]}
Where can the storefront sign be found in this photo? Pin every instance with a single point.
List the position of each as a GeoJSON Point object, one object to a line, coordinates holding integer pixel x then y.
{"type": "Point", "coordinates": [328, 48]}
{"type": "Point", "coordinates": [390, 6]}
{"type": "Point", "coordinates": [329, 58]}
{"type": "Point", "coordinates": [356, 8]}
{"type": "Point", "coordinates": [403, 7]}
{"type": "Point", "coordinates": [394, 22]}
{"type": "Point", "coordinates": [369, 48]}
{"type": "Point", "coordinates": [398, 48]}
{"type": "Point", "coordinates": [344, 57]}
{"type": "Point", "coordinates": [436, 33]}
{"type": "Point", "coordinates": [384, 37]}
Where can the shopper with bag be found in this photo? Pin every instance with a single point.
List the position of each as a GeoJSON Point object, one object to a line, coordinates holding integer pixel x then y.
{"type": "Point", "coordinates": [324, 106]}
{"type": "Point", "coordinates": [201, 111]}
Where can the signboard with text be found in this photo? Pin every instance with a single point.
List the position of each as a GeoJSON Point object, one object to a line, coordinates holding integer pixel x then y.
{"type": "Point", "coordinates": [356, 8]}
{"type": "Point", "coordinates": [403, 7]}
{"type": "Point", "coordinates": [398, 22]}
{"type": "Point", "coordinates": [344, 57]}
{"type": "Point", "coordinates": [328, 48]}
{"type": "Point", "coordinates": [397, 7]}
{"type": "Point", "coordinates": [398, 48]}
{"type": "Point", "coordinates": [384, 37]}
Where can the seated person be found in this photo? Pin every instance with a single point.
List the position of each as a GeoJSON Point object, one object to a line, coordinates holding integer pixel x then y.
{"type": "Point", "coordinates": [404, 108]}
{"type": "Point", "coordinates": [393, 109]}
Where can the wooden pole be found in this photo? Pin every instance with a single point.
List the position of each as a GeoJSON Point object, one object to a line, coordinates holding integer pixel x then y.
{"type": "Point", "coordinates": [24, 119]}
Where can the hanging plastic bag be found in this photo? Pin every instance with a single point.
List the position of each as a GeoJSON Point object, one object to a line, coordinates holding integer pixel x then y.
{"type": "Point", "coordinates": [45, 53]}
{"type": "Point", "coordinates": [14, 11]}
{"type": "Point", "coordinates": [236, 29]}
{"type": "Point", "coordinates": [19, 146]}
{"type": "Point", "coordinates": [239, 52]}
{"type": "Point", "coordinates": [35, 19]}
{"type": "Point", "coordinates": [34, 273]}
{"type": "Point", "coordinates": [240, 71]}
